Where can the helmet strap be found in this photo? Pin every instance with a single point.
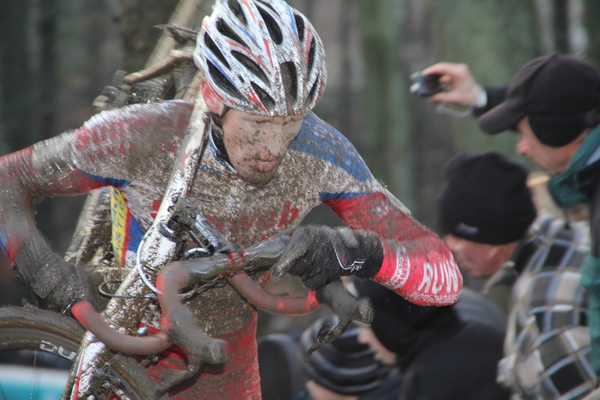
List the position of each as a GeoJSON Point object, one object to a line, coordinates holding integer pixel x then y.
{"type": "Point", "coordinates": [217, 136]}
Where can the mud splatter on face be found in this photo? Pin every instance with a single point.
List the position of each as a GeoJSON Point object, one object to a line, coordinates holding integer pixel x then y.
{"type": "Point", "coordinates": [257, 144]}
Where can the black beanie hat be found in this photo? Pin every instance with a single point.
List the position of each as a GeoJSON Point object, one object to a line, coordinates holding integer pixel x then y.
{"type": "Point", "coordinates": [485, 199]}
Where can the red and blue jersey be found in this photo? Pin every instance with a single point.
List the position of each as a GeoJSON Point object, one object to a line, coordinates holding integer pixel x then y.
{"type": "Point", "coordinates": [133, 149]}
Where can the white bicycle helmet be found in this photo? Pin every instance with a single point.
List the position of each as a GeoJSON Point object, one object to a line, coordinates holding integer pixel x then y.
{"type": "Point", "coordinates": [262, 57]}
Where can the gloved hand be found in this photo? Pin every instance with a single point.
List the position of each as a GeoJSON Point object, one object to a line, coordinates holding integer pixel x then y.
{"type": "Point", "coordinates": [55, 283]}
{"type": "Point", "coordinates": [321, 254]}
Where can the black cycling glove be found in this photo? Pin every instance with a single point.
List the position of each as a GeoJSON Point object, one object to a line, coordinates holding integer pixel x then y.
{"type": "Point", "coordinates": [320, 254]}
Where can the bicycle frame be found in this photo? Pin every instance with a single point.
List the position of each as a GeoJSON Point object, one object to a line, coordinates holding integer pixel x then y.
{"type": "Point", "coordinates": [156, 250]}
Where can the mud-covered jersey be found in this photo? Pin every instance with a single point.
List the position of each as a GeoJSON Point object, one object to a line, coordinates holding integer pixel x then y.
{"type": "Point", "coordinates": [133, 149]}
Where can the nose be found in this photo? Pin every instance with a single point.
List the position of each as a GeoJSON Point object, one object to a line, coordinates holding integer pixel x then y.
{"type": "Point", "coordinates": [272, 146]}
{"type": "Point", "coordinates": [522, 148]}
{"type": "Point", "coordinates": [453, 243]}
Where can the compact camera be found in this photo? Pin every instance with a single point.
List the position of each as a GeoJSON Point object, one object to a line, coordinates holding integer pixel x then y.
{"type": "Point", "coordinates": [426, 85]}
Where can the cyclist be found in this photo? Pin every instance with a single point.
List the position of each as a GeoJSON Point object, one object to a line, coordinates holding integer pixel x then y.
{"type": "Point", "coordinates": [268, 161]}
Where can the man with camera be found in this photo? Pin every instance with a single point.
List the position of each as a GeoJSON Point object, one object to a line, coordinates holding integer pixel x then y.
{"type": "Point", "coordinates": [552, 103]}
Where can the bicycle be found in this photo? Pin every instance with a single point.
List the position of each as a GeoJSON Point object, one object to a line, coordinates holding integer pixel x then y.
{"type": "Point", "coordinates": [109, 371]}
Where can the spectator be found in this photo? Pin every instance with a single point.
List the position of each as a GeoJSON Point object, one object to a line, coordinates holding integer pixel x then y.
{"type": "Point", "coordinates": [279, 365]}
{"type": "Point", "coordinates": [485, 208]}
{"type": "Point", "coordinates": [442, 352]}
{"type": "Point", "coordinates": [344, 369]}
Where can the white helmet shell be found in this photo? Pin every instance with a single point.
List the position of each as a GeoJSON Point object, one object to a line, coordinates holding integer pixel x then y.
{"type": "Point", "coordinates": [262, 57]}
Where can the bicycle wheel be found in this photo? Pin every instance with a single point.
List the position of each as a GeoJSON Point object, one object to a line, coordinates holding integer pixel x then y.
{"type": "Point", "coordinates": [37, 349]}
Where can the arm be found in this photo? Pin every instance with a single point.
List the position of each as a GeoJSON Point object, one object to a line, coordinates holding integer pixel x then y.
{"type": "Point", "coordinates": [549, 321]}
{"type": "Point", "coordinates": [382, 242]}
{"type": "Point", "coordinates": [416, 264]}
{"type": "Point", "coordinates": [54, 168]}
{"type": "Point", "coordinates": [44, 169]}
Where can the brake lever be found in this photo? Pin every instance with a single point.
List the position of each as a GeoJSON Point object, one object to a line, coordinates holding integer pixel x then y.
{"type": "Point", "coordinates": [347, 308]}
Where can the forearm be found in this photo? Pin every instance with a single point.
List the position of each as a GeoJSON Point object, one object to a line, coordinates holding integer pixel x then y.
{"type": "Point", "coordinates": [417, 264]}
{"type": "Point", "coordinates": [17, 221]}
{"type": "Point", "coordinates": [424, 273]}
{"type": "Point", "coordinates": [42, 170]}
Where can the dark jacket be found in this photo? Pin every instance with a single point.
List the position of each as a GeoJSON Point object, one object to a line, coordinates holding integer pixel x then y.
{"type": "Point", "coordinates": [443, 352]}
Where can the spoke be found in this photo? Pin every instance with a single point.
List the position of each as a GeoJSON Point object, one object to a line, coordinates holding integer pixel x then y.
{"type": "Point", "coordinates": [33, 374]}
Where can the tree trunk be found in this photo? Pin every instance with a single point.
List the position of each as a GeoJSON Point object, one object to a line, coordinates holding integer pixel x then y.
{"type": "Point", "coordinates": [15, 71]}
{"type": "Point", "coordinates": [48, 85]}
{"type": "Point", "coordinates": [386, 132]}
{"type": "Point", "coordinates": [561, 27]}
{"type": "Point", "coordinates": [139, 35]}
{"type": "Point", "coordinates": [591, 18]}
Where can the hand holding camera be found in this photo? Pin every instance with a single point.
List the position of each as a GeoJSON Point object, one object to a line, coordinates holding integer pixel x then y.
{"type": "Point", "coordinates": [449, 83]}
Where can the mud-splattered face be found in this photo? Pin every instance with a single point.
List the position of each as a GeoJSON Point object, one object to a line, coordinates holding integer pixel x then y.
{"type": "Point", "coordinates": [257, 144]}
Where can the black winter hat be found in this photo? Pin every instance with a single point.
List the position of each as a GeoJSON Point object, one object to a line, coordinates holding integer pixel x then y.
{"type": "Point", "coordinates": [344, 365]}
{"type": "Point", "coordinates": [556, 93]}
{"type": "Point", "coordinates": [485, 199]}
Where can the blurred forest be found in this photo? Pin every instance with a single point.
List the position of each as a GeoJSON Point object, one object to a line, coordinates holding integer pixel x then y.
{"type": "Point", "coordinates": [57, 55]}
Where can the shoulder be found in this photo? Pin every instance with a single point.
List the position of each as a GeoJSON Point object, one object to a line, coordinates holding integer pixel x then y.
{"type": "Point", "coordinates": [174, 115]}
{"type": "Point", "coordinates": [319, 139]}
{"type": "Point", "coordinates": [104, 142]}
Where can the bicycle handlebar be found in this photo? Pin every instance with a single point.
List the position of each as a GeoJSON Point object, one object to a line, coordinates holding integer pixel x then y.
{"type": "Point", "coordinates": [177, 323]}
{"type": "Point", "coordinates": [87, 316]}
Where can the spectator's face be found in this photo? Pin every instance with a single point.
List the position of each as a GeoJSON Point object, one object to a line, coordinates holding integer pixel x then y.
{"type": "Point", "coordinates": [382, 354]}
{"type": "Point", "coordinates": [479, 260]}
{"type": "Point", "coordinates": [552, 160]}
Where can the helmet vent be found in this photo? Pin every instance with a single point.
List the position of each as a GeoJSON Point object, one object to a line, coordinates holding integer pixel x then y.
{"type": "Point", "coordinates": [227, 31]}
{"type": "Point", "coordinates": [311, 55]}
{"type": "Point", "coordinates": [264, 97]}
{"type": "Point", "coordinates": [251, 66]}
{"type": "Point", "coordinates": [290, 81]}
{"type": "Point", "coordinates": [235, 8]}
{"type": "Point", "coordinates": [274, 30]}
{"type": "Point", "coordinates": [300, 25]}
{"type": "Point", "coordinates": [222, 81]}
{"type": "Point", "coordinates": [270, 7]}
{"type": "Point", "coordinates": [214, 49]}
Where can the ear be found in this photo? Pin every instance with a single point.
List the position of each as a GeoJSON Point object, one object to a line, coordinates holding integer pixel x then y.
{"type": "Point", "coordinates": [210, 99]}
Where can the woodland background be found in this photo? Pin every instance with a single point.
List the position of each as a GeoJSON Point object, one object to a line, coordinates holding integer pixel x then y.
{"type": "Point", "coordinates": [56, 56]}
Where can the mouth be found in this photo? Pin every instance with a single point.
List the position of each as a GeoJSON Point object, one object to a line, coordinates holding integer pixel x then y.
{"type": "Point", "coordinates": [265, 166]}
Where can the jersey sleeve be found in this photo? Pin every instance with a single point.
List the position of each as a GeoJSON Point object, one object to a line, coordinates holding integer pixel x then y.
{"type": "Point", "coordinates": [417, 264]}
{"type": "Point", "coordinates": [100, 153]}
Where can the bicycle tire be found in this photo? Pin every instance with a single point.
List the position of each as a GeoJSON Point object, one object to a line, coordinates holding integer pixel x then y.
{"type": "Point", "coordinates": [30, 328]}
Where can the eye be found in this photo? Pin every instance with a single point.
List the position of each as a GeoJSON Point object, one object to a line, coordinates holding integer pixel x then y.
{"type": "Point", "coordinates": [293, 120]}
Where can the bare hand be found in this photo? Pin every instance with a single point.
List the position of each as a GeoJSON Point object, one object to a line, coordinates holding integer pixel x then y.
{"type": "Point", "coordinates": [463, 89]}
